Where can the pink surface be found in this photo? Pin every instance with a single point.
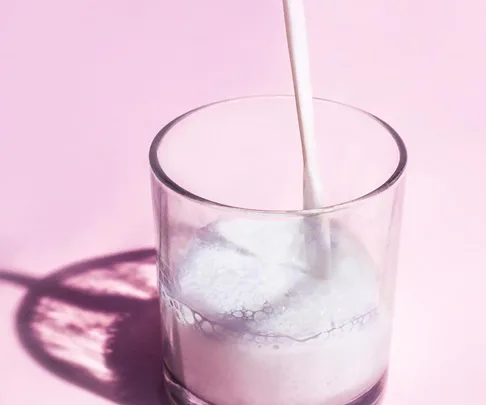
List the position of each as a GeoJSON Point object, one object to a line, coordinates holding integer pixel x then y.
{"type": "Point", "coordinates": [85, 85]}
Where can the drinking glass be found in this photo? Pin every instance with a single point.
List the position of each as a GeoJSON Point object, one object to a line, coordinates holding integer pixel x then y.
{"type": "Point", "coordinates": [246, 321]}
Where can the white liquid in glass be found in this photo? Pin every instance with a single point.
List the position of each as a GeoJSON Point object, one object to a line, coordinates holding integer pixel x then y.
{"type": "Point", "coordinates": [253, 326]}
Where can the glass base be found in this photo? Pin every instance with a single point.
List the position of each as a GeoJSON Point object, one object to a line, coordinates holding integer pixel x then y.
{"type": "Point", "coordinates": [179, 395]}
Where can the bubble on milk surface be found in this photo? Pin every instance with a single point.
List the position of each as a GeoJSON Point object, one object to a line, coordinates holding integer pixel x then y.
{"type": "Point", "coordinates": [246, 280]}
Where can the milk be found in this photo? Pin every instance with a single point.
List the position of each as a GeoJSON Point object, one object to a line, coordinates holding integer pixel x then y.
{"type": "Point", "coordinates": [295, 25]}
{"type": "Point", "coordinates": [277, 312]}
{"type": "Point", "coordinates": [250, 325]}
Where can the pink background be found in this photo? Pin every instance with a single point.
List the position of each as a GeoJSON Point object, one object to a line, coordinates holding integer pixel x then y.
{"type": "Point", "coordinates": [84, 86]}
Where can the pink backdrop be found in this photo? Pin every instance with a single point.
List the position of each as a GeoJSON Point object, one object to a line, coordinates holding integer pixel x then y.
{"type": "Point", "coordinates": [84, 86]}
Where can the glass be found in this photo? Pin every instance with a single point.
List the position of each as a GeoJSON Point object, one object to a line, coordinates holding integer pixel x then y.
{"type": "Point", "coordinates": [244, 320]}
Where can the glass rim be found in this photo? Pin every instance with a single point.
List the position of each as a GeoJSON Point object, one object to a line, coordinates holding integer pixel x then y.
{"type": "Point", "coordinates": [164, 179]}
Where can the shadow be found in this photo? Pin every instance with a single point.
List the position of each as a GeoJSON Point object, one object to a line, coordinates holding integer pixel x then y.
{"type": "Point", "coordinates": [96, 324]}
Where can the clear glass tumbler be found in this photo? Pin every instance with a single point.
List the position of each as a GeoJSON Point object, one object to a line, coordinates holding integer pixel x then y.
{"type": "Point", "coordinates": [245, 321]}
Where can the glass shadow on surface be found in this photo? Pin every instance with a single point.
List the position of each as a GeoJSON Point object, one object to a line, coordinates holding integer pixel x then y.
{"type": "Point", "coordinates": [96, 324]}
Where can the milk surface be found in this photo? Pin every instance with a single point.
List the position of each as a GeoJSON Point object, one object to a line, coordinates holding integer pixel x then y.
{"type": "Point", "coordinates": [251, 326]}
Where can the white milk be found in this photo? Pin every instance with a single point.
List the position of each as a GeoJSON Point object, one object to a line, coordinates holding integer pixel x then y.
{"type": "Point", "coordinates": [253, 327]}
{"type": "Point", "coordinates": [318, 261]}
